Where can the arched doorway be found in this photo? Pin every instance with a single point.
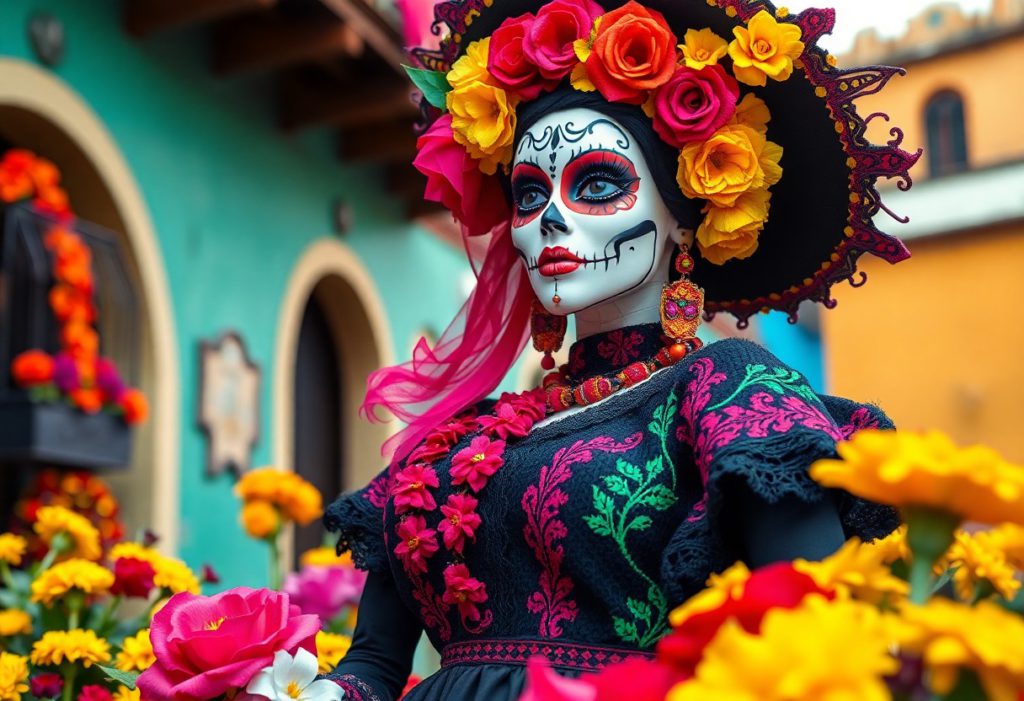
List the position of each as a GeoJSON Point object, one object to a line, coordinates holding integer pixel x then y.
{"type": "Point", "coordinates": [40, 112]}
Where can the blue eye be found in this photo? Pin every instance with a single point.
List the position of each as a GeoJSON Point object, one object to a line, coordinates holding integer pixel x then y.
{"type": "Point", "coordinates": [598, 189]}
{"type": "Point", "coordinates": [531, 199]}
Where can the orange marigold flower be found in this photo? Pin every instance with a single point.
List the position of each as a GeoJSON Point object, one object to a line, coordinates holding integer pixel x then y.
{"type": "Point", "coordinates": [135, 406]}
{"type": "Point", "coordinates": [80, 339]}
{"type": "Point", "coordinates": [260, 519]}
{"type": "Point", "coordinates": [33, 367]}
{"type": "Point", "coordinates": [69, 304]}
{"type": "Point", "coordinates": [88, 400]}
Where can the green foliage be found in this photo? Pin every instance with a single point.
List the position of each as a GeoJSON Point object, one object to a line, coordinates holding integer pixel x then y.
{"type": "Point", "coordinates": [433, 84]}
{"type": "Point", "coordinates": [125, 678]}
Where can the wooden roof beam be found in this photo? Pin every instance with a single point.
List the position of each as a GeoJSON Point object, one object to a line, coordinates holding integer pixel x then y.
{"type": "Point", "coordinates": [378, 32]}
{"type": "Point", "coordinates": [144, 17]}
{"type": "Point", "coordinates": [307, 102]}
{"type": "Point", "coordinates": [266, 42]}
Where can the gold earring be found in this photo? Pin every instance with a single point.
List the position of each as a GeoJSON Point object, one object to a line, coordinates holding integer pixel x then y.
{"type": "Point", "coordinates": [682, 304]}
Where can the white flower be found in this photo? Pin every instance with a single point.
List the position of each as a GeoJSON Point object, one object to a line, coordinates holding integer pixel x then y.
{"type": "Point", "coordinates": [291, 679]}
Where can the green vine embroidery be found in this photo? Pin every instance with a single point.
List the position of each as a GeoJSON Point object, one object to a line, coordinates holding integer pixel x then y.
{"type": "Point", "coordinates": [642, 489]}
{"type": "Point", "coordinates": [777, 380]}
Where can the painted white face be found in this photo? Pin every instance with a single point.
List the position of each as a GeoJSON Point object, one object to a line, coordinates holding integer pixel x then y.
{"type": "Point", "coordinates": [588, 220]}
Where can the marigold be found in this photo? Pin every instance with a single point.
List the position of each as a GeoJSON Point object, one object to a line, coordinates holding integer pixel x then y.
{"type": "Point", "coordinates": [702, 48]}
{"type": "Point", "coordinates": [13, 676]}
{"type": "Point", "coordinates": [985, 638]}
{"type": "Point", "coordinates": [735, 160]}
{"type": "Point", "coordinates": [12, 548]}
{"type": "Point", "coordinates": [76, 573]}
{"type": "Point", "coordinates": [325, 557]}
{"type": "Point", "coordinates": [123, 693]}
{"type": "Point", "coordinates": [297, 499]}
{"type": "Point", "coordinates": [14, 622]}
{"type": "Point", "coordinates": [720, 588]}
{"type": "Point", "coordinates": [51, 521]}
{"type": "Point", "coordinates": [260, 519]}
{"type": "Point", "coordinates": [168, 573]}
{"type": "Point", "coordinates": [907, 469]}
{"type": "Point", "coordinates": [76, 645]}
{"type": "Point", "coordinates": [979, 563]}
{"type": "Point", "coordinates": [765, 48]}
{"type": "Point", "coordinates": [33, 367]}
{"type": "Point", "coordinates": [330, 648]}
{"type": "Point", "coordinates": [1009, 539]}
{"type": "Point", "coordinates": [136, 653]}
{"type": "Point", "coordinates": [892, 547]}
{"type": "Point", "coordinates": [819, 651]}
{"type": "Point", "coordinates": [857, 570]}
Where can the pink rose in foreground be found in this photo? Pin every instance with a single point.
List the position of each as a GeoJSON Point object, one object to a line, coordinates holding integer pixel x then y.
{"type": "Point", "coordinates": [206, 646]}
{"type": "Point", "coordinates": [693, 104]}
{"type": "Point", "coordinates": [548, 41]}
{"type": "Point", "coordinates": [545, 684]}
{"type": "Point", "coordinates": [325, 591]}
{"type": "Point", "coordinates": [454, 179]}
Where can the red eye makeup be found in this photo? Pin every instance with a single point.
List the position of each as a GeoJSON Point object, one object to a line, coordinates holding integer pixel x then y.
{"type": "Point", "coordinates": [599, 182]}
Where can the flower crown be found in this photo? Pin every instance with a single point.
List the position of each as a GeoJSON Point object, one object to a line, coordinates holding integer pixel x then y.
{"type": "Point", "coordinates": [628, 55]}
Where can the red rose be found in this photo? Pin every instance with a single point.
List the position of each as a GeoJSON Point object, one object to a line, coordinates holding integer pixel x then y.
{"type": "Point", "coordinates": [548, 42]}
{"type": "Point", "coordinates": [693, 104]}
{"type": "Point", "coordinates": [507, 63]}
{"type": "Point", "coordinates": [454, 179]}
{"type": "Point", "coordinates": [94, 692]}
{"type": "Point", "coordinates": [634, 51]}
{"type": "Point", "coordinates": [132, 578]}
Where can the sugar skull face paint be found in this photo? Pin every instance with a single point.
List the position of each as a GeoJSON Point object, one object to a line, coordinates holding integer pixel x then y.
{"type": "Point", "coordinates": [588, 220]}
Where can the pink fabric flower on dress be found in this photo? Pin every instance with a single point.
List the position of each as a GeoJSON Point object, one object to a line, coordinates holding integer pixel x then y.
{"type": "Point", "coordinates": [460, 521]}
{"type": "Point", "coordinates": [510, 420]}
{"type": "Point", "coordinates": [531, 403]}
{"type": "Point", "coordinates": [508, 64]}
{"type": "Point", "coordinates": [455, 180]}
{"type": "Point", "coordinates": [548, 41]}
{"type": "Point", "coordinates": [434, 447]}
{"type": "Point", "coordinates": [545, 684]}
{"type": "Point", "coordinates": [463, 591]}
{"type": "Point", "coordinates": [206, 646]}
{"type": "Point", "coordinates": [474, 464]}
{"type": "Point", "coordinates": [693, 104]}
{"type": "Point", "coordinates": [418, 543]}
{"type": "Point", "coordinates": [410, 489]}
{"type": "Point", "coordinates": [451, 432]}
{"type": "Point", "coordinates": [325, 591]}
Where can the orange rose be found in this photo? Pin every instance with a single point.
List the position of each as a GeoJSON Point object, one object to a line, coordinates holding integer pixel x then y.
{"type": "Point", "coordinates": [729, 233]}
{"type": "Point", "coordinates": [633, 52]}
{"type": "Point", "coordinates": [33, 367]}
{"type": "Point", "coordinates": [136, 408]}
{"type": "Point", "coordinates": [735, 160]}
{"type": "Point", "coordinates": [88, 400]}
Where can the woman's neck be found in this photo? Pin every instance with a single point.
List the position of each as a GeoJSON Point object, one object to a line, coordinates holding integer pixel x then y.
{"type": "Point", "coordinates": [642, 306]}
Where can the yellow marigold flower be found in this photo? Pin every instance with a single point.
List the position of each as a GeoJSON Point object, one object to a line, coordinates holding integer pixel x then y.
{"type": "Point", "coordinates": [728, 233]}
{"type": "Point", "coordinates": [136, 653]}
{"type": "Point", "coordinates": [168, 573]}
{"type": "Point", "coordinates": [53, 520]}
{"type": "Point", "coordinates": [261, 483]}
{"type": "Point", "coordinates": [76, 573]}
{"type": "Point", "coordinates": [765, 48]}
{"type": "Point", "coordinates": [737, 159]}
{"type": "Point", "coordinates": [752, 112]}
{"type": "Point", "coordinates": [123, 693]}
{"type": "Point", "coordinates": [12, 548]}
{"type": "Point", "coordinates": [977, 562]}
{"type": "Point", "coordinates": [856, 570]}
{"type": "Point", "coordinates": [1009, 539]}
{"type": "Point", "coordinates": [702, 48]}
{"type": "Point", "coordinates": [260, 519]}
{"type": "Point", "coordinates": [13, 676]}
{"type": "Point", "coordinates": [985, 638]}
{"type": "Point", "coordinates": [325, 557]}
{"type": "Point", "coordinates": [720, 588]}
{"type": "Point", "coordinates": [330, 648]}
{"type": "Point", "coordinates": [76, 645]}
{"type": "Point", "coordinates": [820, 651]}
{"type": "Point", "coordinates": [909, 469]}
{"type": "Point", "coordinates": [301, 501]}
{"type": "Point", "coordinates": [892, 547]}
{"type": "Point", "coordinates": [14, 622]}
{"type": "Point", "coordinates": [484, 121]}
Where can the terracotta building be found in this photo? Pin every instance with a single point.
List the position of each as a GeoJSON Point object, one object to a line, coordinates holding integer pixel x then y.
{"type": "Point", "coordinates": [937, 339]}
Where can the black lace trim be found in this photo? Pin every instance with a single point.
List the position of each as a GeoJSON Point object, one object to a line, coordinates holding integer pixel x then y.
{"type": "Point", "coordinates": [355, 688]}
{"type": "Point", "coordinates": [360, 528]}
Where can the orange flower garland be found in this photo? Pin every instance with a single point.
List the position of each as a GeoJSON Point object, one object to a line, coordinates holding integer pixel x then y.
{"type": "Point", "coordinates": [87, 380]}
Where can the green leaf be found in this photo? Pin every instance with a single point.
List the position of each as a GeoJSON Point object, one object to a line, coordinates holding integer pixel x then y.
{"type": "Point", "coordinates": [616, 485]}
{"type": "Point", "coordinates": [639, 523]}
{"type": "Point", "coordinates": [625, 630]}
{"type": "Point", "coordinates": [602, 502]}
{"type": "Point", "coordinates": [660, 497]}
{"type": "Point", "coordinates": [628, 470]}
{"type": "Point", "coordinates": [598, 525]}
{"type": "Point", "coordinates": [640, 609]}
{"type": "Point", "coordinates": [125, 678]}
{"type": "Point", "coordinates": [433, 84]}
{"type": "Point", "coordinates": [655, 467]}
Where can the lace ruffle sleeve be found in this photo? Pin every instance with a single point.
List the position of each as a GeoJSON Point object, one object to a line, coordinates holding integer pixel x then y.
{"type": "Point", "coordinates": [753, 423]}
{"type": "Point", "coordinates": [358, 519]}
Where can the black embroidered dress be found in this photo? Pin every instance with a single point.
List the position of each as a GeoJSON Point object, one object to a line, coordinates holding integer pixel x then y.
{"type": "Point", "coordinates": [594, 526]}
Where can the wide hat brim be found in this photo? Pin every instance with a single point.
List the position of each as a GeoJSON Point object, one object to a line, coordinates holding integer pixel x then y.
{"type": "Point", "coordinates": [822, 210]}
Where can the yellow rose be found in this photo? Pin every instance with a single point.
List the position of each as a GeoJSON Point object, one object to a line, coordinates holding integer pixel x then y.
{"type": "Point", "coordinates": [735, 160]}
{"type": "Point", "coordinates": [729, 233]}
{"type": "Point", "coordinates": [484, 121]}
{"type": "Point", "coordinates": [471, 67]}
{"type": "Point", "coordinates": [260, 519]}
{"type": "Point", "coordinates": [765, 48]}
{"type": "Point", "coordinates": [752, 112]}
{"type": "Point", "coordinates": [702, 48]}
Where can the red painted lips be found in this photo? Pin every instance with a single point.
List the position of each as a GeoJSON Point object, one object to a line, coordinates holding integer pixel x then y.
{"type": "Point", "coordinates": [557, 261]}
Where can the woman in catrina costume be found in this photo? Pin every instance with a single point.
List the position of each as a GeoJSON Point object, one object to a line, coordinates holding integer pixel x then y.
{"type": "Point", "coordinates": [641, 167]}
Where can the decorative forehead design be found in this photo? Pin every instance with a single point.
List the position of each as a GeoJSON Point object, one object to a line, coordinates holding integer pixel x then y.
{"type": "Point", "coordinates": [555, 140]}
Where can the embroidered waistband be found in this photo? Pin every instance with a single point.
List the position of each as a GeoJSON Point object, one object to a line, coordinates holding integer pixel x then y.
{"type": "Point", "coordinates": [518, 652]}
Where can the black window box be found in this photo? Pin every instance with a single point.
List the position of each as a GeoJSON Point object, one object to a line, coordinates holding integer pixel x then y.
{"type": "Point", "coordinates": [58, 434]}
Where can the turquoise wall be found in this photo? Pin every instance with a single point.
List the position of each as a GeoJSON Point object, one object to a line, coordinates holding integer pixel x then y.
{"type": "Point", "coordinates": [234, 204]}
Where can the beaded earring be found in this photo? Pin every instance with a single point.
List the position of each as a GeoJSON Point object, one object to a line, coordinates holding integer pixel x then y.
{"type": "Point", "coordinates": [682, 303]}
{"type": "Point", "coordinates": [547, 331]}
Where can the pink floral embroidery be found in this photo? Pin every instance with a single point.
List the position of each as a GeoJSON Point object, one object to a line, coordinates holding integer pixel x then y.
{"type": "Point", "coordinates": [377, 491]}
{"type": "Point", "coordinates": [474, 464]}
{"type": "Point", "coordinates": [432, 607]}
{"type": "Point", "coordinates": [860, 419]}
{"type": "Point", "coordinates": [508, 420]}
{"type": "Point", "coordinates": [620, 348]}
{"type": "Point", "coordinates": [418, 543]}
{"type": "Point", "coordinates": [460, 521]}
{"type": "Point", "coordinates": [465, 593]}
{"type": "Point", "coordinates": [544, 529]}
{"type": "Point", "coordinates": [410, 489]}
{"type": "Point", "coordinates": [436, 446]}
{"type": "Point", "coordinates": [451, 432]}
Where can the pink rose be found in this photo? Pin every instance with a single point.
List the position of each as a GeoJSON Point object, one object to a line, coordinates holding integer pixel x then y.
{"type": "Point", "coordinates": [508, 64]}
{"type": "Point", "coordinates": [693, 104]}
{"type": "Point", "coordinates": [548, 41]}
{"type": "Point", "coordinates": [325, 591]}
{"type": "Point", "coordinates": [454, 179]}
{"type": "Point", "coordinates": [206, 646]}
